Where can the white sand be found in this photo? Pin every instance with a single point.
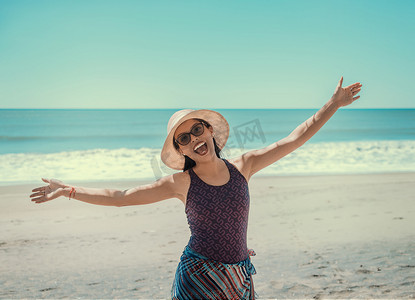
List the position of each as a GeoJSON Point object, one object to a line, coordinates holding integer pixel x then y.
{"type": "Point", "coordinates": [348, 236]}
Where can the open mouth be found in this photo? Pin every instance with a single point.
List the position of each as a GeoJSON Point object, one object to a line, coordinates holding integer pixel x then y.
{"type": "Point", "coordinates": [201, 148]}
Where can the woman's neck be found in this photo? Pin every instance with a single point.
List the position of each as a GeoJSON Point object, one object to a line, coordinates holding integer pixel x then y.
{"type": "Point", "coordinates": [210, 168]}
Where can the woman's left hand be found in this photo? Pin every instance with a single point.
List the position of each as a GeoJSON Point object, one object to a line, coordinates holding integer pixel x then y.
{"type": "Point", "coordinates": [344, 96]}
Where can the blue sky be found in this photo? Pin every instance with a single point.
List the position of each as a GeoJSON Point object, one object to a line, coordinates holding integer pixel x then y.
{"type": "Point", "coordinates": [204, 54]}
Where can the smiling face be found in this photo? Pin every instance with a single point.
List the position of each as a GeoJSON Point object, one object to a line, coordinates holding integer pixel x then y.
{"type": "Point", "coordinates": [192, 149]}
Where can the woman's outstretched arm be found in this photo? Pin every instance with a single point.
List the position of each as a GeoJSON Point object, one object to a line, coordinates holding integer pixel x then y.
{"type": "Point", "coordinates": [164, 188]}
{"type": "Point", "coordinates": [258, 159]}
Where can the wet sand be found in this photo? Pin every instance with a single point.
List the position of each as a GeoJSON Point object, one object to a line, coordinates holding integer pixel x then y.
{"type": "Point", "coordinates": [342, 236]}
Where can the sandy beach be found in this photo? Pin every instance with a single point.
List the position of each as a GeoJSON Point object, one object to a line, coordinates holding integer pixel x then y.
{"type": "Point", "coordinates": [340, 236]}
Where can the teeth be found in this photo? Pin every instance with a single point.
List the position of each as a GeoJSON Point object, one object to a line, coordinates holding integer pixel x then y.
{"type": "Point", "coordinates": [198, 146]}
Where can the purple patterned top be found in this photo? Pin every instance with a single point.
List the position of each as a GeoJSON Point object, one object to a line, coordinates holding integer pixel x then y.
{"type": "Point", "coordinates": [218, 217]}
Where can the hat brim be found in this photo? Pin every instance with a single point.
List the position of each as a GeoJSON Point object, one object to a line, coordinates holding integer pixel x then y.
{"type": "Point", "coordinates": [172, 158]}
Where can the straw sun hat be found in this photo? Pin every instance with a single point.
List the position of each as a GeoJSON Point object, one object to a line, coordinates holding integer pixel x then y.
{"type": "Point", "coordinates": [170, 155]}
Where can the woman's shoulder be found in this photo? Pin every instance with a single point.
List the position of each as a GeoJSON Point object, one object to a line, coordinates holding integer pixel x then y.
{"type": "Point", "coordinates": [240, 164]}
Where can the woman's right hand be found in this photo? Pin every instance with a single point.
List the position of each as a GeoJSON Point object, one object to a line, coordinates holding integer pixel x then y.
{"type": "Point", "coordinates": [48, 192]}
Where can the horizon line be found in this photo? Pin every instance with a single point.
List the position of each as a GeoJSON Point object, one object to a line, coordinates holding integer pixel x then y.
{"type": "Point", "coordinates": [343, 108]}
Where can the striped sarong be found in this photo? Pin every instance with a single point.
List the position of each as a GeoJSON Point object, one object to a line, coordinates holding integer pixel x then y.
{"type": "Point", "coordinates": [198, 277]}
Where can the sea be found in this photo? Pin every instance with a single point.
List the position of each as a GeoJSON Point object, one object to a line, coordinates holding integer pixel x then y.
{"type": "Point", "coordinates": [76, 145]}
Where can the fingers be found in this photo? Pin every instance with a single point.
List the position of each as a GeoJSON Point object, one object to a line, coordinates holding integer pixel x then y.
{"type": "Point", "coordinates": [37, 194]}
{"type": "Point", "coordinates": [40, 197]}
{"type": "Point", "coordinates": [340, 82]}
{"type": "Point", "coordinates": [354, 85]}
{"type": "Point", "coordinates": [356, 91]}
{"type": "Point", "coordinates": [40, 200]}
{"type": "Point", "coordinates": [42, 188]}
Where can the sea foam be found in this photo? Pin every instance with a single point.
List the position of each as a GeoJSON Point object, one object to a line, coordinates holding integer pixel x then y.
{"type": "Point", "coordinates": [145, 163]}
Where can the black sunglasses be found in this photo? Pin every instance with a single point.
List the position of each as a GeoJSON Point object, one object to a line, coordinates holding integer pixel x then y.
{"type": "Point", "coordinates": [185, 138]}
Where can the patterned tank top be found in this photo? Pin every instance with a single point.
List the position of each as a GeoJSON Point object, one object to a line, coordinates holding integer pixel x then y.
{"type": "Point", "coordinates": [218, 217]}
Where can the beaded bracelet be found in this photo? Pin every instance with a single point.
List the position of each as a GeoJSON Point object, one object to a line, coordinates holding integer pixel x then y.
{"type": "Point", "coordinates": [70, 193]}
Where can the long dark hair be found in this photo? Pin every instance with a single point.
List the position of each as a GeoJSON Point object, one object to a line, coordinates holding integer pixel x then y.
{"type": "Point", "coordinates": [190, 163]}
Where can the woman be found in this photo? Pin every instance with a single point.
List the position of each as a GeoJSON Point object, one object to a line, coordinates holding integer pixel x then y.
{"type": "Point", "coordinates": [215, 264]}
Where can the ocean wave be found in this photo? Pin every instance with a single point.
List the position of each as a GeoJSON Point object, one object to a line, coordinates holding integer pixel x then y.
{"type": "Point", "coordinates": [145, 163]}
